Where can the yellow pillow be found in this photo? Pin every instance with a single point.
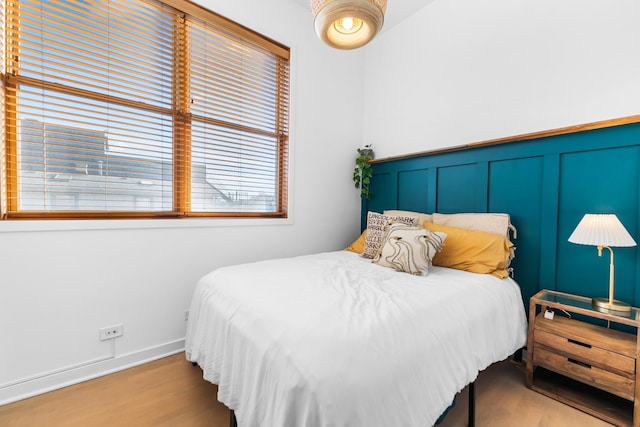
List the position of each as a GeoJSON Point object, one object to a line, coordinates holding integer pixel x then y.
{"type": "Point", "coordinates": [474, 251]}
{"type": "Point", "coordinates": [358, 245]}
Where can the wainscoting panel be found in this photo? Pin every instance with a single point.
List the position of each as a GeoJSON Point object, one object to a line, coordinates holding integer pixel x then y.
{"type": "Point", "coordinates": [546, 184]}
{"type": "Point", "coordinates": [516, 188]}
{"type": "Point", "coordinates": [413, 189]}
{"type": "Point", "coordinates": [458, 188]}
{"type": "Point", "coordinates": [604, 180]}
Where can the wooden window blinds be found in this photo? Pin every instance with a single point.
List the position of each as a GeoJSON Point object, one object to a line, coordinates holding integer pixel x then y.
{"type": "Point", "coordinates": [120, 108]}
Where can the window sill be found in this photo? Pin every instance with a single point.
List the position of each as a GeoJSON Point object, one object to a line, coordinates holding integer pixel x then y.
{"type": "Point", "coordinates": [16, 226]}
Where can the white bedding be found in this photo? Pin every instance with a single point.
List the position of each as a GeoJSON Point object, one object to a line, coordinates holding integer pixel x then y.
{"type": "Point", "coordinates": [334, 340]}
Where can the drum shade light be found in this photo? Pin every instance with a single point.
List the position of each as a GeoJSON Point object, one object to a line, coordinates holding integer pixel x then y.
{"type": "Point", "coordinates": [348, 24]}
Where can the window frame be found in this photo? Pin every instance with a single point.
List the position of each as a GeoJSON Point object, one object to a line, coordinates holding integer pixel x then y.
{"type": "Point", "coordinates": [181, 158]}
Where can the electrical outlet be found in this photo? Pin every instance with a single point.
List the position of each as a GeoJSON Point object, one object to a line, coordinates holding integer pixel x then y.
{"type": "Point", "coordinates": [186, 315]}
{"type": "Point", "coordinates": [111, 332]}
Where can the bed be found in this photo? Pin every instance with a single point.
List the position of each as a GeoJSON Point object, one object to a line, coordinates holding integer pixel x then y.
{"type": "Point", "coordinates": [334, 339]}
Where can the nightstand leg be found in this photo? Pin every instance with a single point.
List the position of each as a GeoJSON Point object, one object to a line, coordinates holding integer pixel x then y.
{"type": "Point", "coordinates": [636, 397]}
{"type": "Point", "coordinates": [532, 316]}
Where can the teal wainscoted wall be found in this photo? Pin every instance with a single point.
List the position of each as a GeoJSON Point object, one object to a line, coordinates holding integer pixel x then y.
{"type": "Point", "coordinates": [546, 185]}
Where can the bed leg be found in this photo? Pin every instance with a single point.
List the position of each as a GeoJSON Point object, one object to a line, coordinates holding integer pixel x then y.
{"type": "Point", "coordinates": [232, 420]}
{"type": "Point", "coordinates": [472, 404]}
{"type": "Point", "coordinates": [517, 356]}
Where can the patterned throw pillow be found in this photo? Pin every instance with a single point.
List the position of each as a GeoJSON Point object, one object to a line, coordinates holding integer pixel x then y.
{"type": "Point", "coordinates": [422, 217]}
{"type": "Point", "coordinates": [377, 225]}
{"type": "Point", "coordinates": [409, 249]}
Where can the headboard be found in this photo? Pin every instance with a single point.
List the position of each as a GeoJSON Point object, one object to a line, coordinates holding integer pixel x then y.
{"type": "Point", "coordinates": [546, 182]}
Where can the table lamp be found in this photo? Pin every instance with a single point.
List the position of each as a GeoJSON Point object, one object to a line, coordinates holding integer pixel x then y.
{"type": "Point", "coordinates": [604, 231]}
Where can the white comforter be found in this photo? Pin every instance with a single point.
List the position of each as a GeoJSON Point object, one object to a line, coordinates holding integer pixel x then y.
{"type": "Point", "coordinates": [334, 340]}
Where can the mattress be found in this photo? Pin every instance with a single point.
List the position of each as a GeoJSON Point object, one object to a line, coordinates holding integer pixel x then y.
{"type": "Point", "coordinates": [332, 339]}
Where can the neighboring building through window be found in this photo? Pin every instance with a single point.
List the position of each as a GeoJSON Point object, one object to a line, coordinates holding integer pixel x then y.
{"type": "Point", "coordinates": [117, 108]}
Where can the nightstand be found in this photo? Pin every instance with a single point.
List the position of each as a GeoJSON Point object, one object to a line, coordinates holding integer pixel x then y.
{"type": "Point", "coordinates": [574, 356]}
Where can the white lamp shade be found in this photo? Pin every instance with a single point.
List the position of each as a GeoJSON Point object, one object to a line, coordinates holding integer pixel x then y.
{"type": "Point", "coordinates": [601, 230]}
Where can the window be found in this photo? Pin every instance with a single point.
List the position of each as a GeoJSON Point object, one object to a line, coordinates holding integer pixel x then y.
{"type": "Point", "coordinates": [120, 108]}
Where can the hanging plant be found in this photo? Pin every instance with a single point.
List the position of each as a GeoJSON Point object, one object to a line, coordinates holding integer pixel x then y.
{"type": "Point", "coordinates": [363, 171]}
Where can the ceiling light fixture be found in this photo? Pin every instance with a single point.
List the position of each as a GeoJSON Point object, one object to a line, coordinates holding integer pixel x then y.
{"type": "Point", "coordinates": [348, 24]}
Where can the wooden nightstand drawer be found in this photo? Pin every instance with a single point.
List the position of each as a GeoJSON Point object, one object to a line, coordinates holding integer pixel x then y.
{"type": "Point", "coordinates": [585, 357]}
{"type": "Point", "coordinates": [592, 375]}
{"type": "Point", "coordinates": [596, 336]}
{"type": "Point", "coordinates": [583, 351]}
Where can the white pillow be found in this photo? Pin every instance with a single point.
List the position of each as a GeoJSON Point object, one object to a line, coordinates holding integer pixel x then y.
{"type": "Point", "coordinates": [497, 223]}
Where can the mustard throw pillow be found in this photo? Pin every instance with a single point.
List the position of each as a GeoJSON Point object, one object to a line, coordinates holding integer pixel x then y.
{"type": "Point", "coordinates": [358, 245]}
{"type": "Point", "coordinates": [473, 251]}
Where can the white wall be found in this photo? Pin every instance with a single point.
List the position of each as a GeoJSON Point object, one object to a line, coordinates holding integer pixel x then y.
{"type": "Point", "coordinates": [62, 281]}
{"type": "Point", "coordinates": [463, 71]}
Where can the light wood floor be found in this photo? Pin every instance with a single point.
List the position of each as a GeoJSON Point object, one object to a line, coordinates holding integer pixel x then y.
{"type": "Point", "coordinates": [170, 392]}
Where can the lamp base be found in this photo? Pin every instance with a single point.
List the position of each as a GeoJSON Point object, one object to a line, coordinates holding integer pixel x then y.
{"type": "Point", "coordinates": [603, 304]}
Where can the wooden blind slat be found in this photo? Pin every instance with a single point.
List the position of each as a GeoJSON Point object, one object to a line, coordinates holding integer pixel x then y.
{"type": "Point", "coordinates": [221, 22]}
{"type": "Point", "coordinates": [142, 108]}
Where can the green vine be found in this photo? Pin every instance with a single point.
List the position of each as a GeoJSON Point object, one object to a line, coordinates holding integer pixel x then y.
{"type": "Point", "coordinates": [363, 171]}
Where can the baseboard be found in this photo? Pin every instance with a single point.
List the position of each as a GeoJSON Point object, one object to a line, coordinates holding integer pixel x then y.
{"type": "Point", "coordinates": [30, 388]}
